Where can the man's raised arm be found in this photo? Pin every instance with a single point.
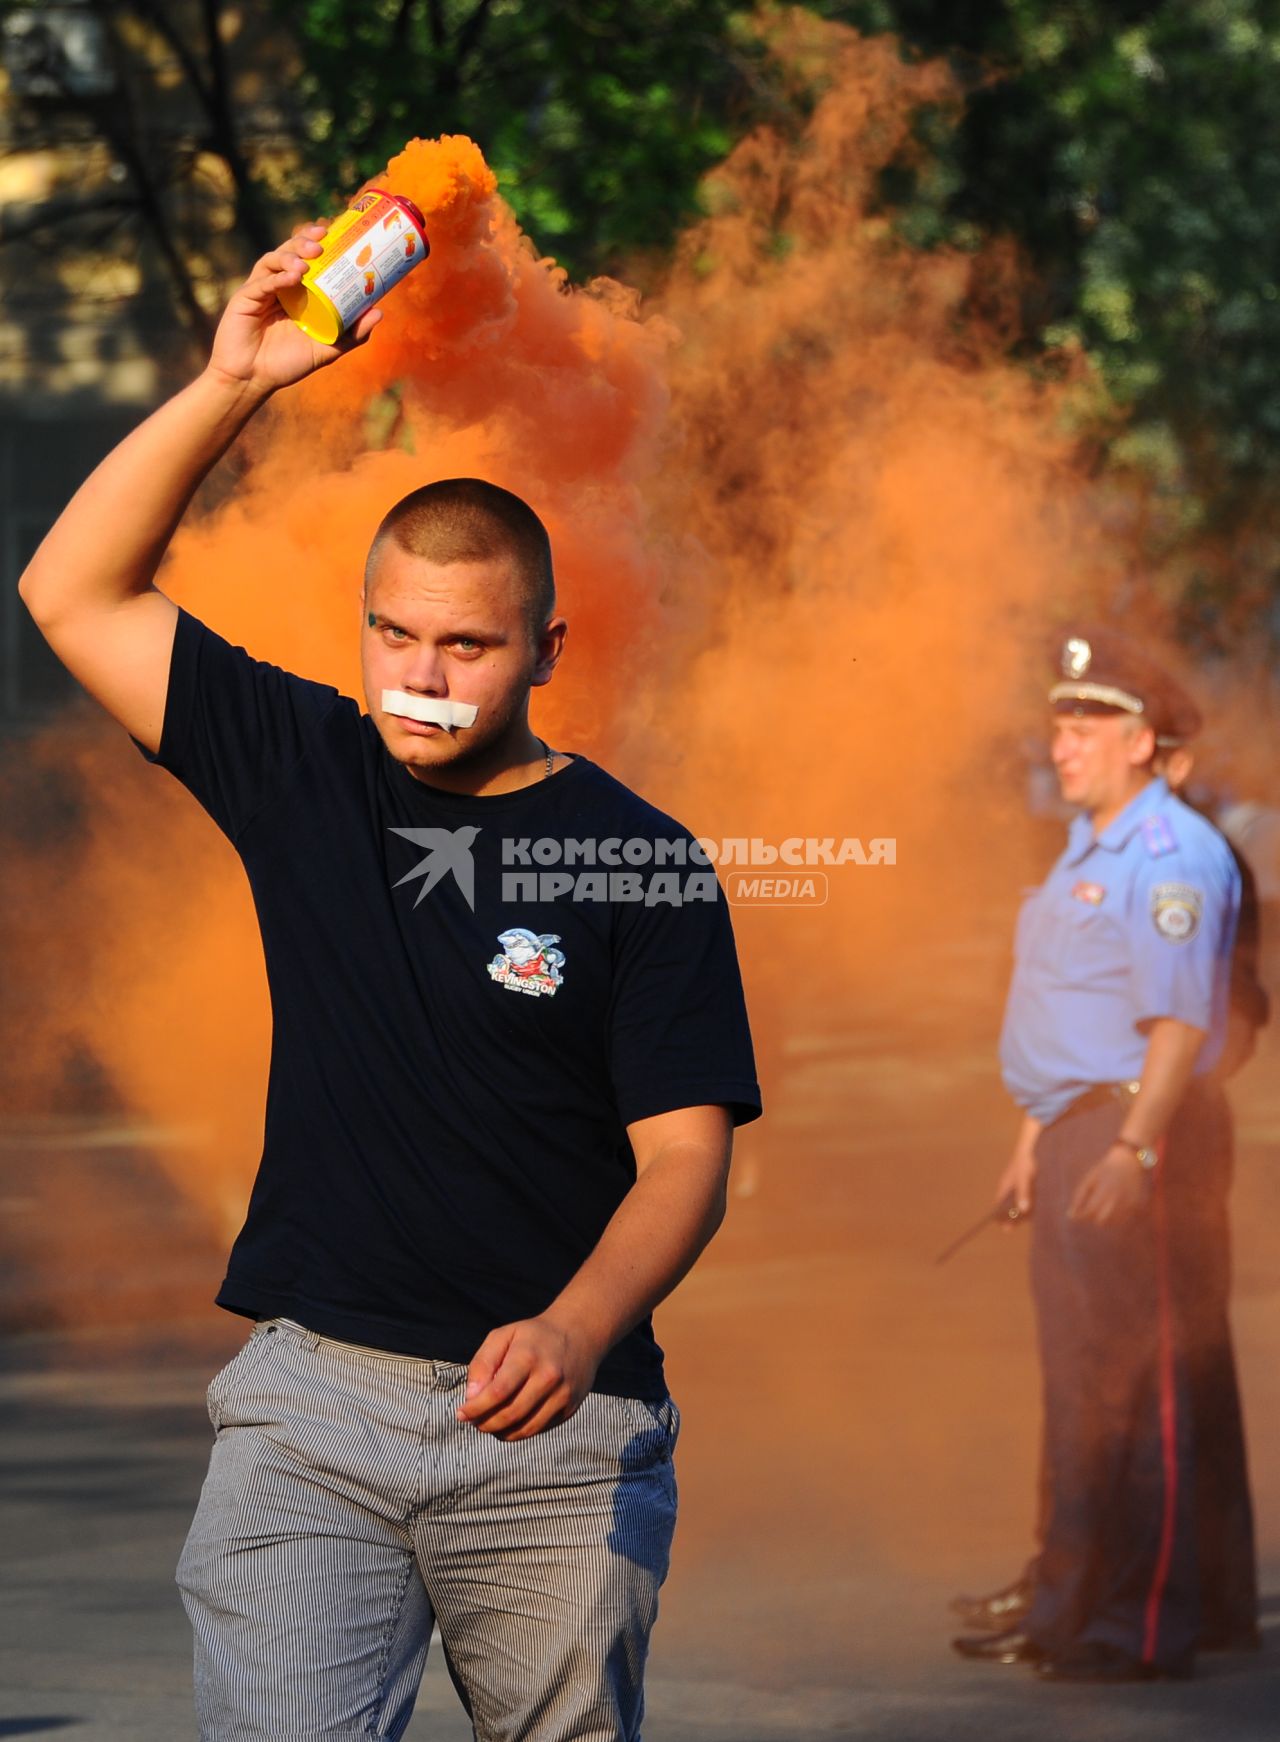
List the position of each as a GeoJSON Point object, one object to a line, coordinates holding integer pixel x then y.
{"type": "Point", "coordinates": [91, 585]}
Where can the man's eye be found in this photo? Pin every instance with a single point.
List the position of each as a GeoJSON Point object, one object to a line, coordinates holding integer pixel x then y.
{"type": "Point", "coordinates": [392, 630]}
{"type": "Point", "coordinates": [467, 644]}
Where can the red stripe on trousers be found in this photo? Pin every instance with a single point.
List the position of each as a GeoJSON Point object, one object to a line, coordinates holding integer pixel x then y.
{"type": "Point", "coordinates": [1168, 1420]}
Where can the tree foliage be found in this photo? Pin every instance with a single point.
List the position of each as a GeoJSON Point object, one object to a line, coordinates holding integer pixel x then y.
{"type": "Point", "coordinates": [599, 116]}
{"type": "Point", "coordinates": [1130, 147]}
{"type": "Point", "coordinates": [1133, 150]}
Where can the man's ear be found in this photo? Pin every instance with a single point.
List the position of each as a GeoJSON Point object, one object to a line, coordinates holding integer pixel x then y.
{"type": "Point", "coordinates": [1142, 747]}
{"type": "Point", "coordinates": [550, 647]}
{"type": "Point", "coordinates": [1178, 763]}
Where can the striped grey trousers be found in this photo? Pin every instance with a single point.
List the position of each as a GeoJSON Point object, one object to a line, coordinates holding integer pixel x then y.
{"type": "Point", "coordinates": [346, 1510]}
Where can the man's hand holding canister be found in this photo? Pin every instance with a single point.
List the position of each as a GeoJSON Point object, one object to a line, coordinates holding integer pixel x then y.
{"type": "Point", "coordinates": [257, 347]}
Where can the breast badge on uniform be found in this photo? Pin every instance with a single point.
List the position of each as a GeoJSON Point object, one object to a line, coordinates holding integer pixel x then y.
{"type": "Point", "coordinates": [1093, 893]}
{"type": "Point", "coordinates": [529, 962]}
{"type": "Point", "coordinates": [1176, 909]}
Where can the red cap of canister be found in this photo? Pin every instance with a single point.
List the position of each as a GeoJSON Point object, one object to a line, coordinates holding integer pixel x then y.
{"type": "Point", "coordinates": [415, 216]}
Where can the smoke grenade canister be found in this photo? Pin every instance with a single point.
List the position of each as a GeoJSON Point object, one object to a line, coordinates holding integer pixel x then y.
{"type": "Point", "coordinates": [378, 239]}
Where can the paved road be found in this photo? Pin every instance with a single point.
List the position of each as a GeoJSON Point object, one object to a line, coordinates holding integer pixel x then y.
{"type": "Point", "coordinates": [859, 1442]}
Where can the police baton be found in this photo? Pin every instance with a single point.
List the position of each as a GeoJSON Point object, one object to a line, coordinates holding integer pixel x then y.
{"type": "Point", "coordinates": [1005, 1211]}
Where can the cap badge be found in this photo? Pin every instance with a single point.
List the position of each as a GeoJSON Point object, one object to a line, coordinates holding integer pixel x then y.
{"type": "Point", "coordinates": [1076, 657]}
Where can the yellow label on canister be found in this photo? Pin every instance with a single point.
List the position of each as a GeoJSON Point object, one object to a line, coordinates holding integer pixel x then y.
{"type": "Point", "coordinates": [376, 241]}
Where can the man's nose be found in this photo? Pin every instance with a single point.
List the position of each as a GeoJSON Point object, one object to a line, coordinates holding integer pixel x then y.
{"type": "Point", "coordinates": [426, 672]}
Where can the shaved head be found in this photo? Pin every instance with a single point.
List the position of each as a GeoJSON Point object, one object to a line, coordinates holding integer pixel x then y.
{"type": "Point", "coordinates": [459, 520]}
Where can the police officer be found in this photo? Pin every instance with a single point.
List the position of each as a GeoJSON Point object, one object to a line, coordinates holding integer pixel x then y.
{"type": "Point", "coordinates": [1118, 1000]}
{"type": "Point", "coordinates": [1201, 1274]}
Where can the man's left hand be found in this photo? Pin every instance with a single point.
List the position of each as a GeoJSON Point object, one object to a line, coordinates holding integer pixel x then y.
{"type": "Point", "coordinates": [1111, 1191]}
{"type": "Point", "coordinates": [527, 1377]}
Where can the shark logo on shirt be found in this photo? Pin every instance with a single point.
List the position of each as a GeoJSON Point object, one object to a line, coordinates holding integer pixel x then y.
{"type": "Point", "coordinates": [529, 962]}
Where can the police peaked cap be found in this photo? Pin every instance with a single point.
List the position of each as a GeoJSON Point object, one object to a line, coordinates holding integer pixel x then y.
{"type": "Point", "coordinates": [1101, 671]}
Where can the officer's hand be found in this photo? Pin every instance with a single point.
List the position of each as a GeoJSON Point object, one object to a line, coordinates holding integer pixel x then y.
{"type": "Point", "coordinates": [256, 344]}
{"type": "Point", "coordinates": [526, 1377]}
{"type": "Point", "coordinates": [1019, 1181]}
{"type": "Point", "coordinates": [1112, 1190]}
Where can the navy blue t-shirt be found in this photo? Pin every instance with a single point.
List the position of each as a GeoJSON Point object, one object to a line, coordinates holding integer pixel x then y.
{"type": "Point", "coordinates": [469, 1005]}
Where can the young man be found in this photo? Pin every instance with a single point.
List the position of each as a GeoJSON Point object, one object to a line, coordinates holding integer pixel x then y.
{"type": "Point", "coordinates": [498, 1118]}
{"type": "Point", "coordinates": [1118, 1003]}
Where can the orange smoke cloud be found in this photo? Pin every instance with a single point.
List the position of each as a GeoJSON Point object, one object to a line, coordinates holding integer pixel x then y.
{"type": "Point", "coordinates": [801, 508]}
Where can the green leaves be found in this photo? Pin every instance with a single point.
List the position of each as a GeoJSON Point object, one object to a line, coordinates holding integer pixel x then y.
{"type": "Point", "coordinates": [1132, 148]}
{"type": "Point", "coordinates": [599, 118]}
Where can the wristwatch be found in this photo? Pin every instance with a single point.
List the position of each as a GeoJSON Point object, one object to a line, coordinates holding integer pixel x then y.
{"type": "Point", "coordinates": [1147, 1157]}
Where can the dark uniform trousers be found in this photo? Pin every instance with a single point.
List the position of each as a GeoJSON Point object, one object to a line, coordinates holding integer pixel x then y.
{"type": "Point", "coordinates": [1199, 1162]}
{"type": "Point", "coordinates": [1147, 1529]}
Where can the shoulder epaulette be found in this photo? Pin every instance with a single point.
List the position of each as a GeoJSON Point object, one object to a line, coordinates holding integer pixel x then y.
{"type": "Point", "coordinates": [1158, 835]}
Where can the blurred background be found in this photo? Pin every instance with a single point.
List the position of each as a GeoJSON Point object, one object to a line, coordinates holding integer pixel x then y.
{"type": "Point", "coordinates": [849, 351]}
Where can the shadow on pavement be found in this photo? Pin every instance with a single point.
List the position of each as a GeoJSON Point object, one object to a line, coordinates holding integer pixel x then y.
{"type": "Point", "coordinates": [33, 1726]}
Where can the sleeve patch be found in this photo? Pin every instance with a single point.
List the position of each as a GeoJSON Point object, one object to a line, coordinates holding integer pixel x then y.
{"type": "Point", "coordinates": [1176, 909]}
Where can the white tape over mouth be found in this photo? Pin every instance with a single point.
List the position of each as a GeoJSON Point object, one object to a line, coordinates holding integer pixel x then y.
{"type": "Point", "coordinates": [430, 709]}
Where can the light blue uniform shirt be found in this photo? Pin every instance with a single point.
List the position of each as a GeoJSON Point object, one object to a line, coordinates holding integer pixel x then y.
{"type": "Point", "coordinates": [1132, 925]}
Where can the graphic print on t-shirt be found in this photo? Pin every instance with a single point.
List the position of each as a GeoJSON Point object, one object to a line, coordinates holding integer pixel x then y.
{"type": "Point", "coordinates": [529, 962]}
{"type": "Point", "coordinates": [450, 850]}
